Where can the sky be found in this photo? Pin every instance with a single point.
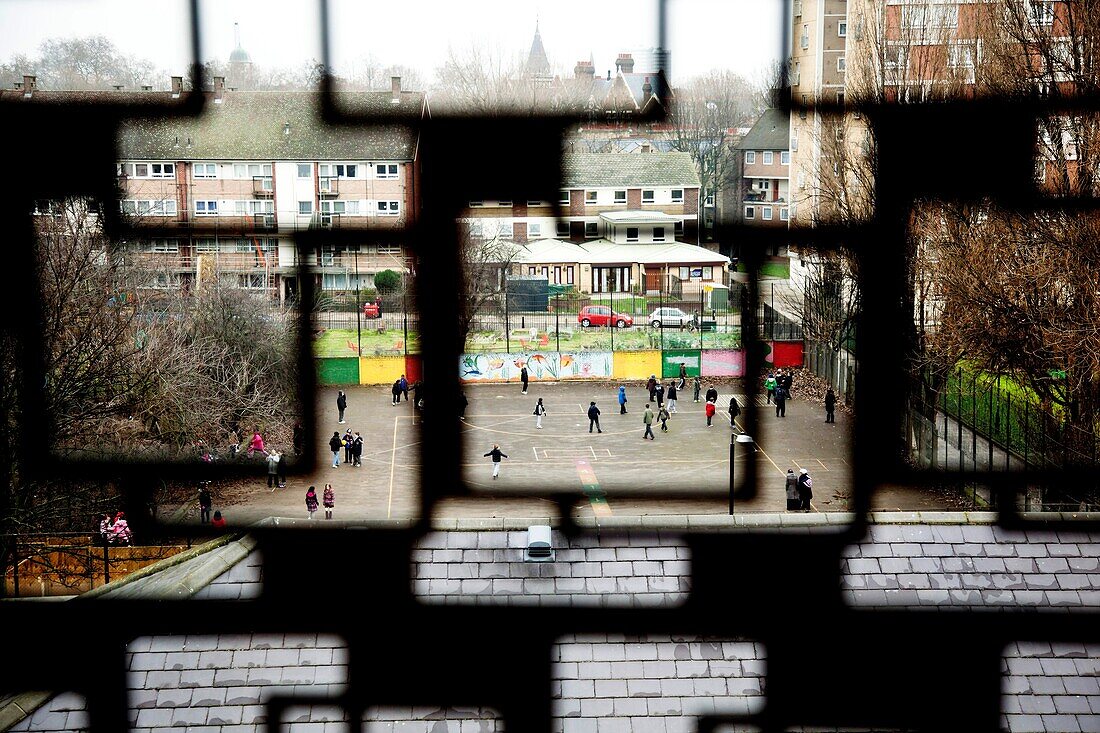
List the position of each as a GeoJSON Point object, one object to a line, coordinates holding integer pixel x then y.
{"type": "Point", "coordinates": [739, 35]}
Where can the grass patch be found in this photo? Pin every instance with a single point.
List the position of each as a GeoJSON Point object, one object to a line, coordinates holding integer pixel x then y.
{"type": "Point", "coordinates": [334, 342]}
{"type": "Point", "coordinates": [780, 270]}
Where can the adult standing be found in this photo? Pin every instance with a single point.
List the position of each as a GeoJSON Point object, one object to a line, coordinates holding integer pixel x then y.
{"type": "Point", "coordinates": [416, 394]}
{"type": "Point", "coordinates": [791, 487]}
{"type": "Point", "coordinates": [273, 469]}
{"type": "Point", "coordinates": [311, 501]}
{"type": "Point", "coordinates": [523, 377]}
{"type": "Point", "coordinates": [697, 387]}
{"type": "Point", "coordinates": [830, 405]}
{"type": "Point", "coordinates": [205, 503]}
{"type": "Point", "coordinates": [622, 400]}
{"type": "Point", "coordinates": [735, 410]}
{"type": "Point", "coordinates": [496, 454]}
{"type": "Point", "coordinates": [788, 383]}
{"type": "Point", "coordinates": [651, 385]}
{"type": "Point", "coordinates": [334, 445]}
{"type": "Point", "coordinates": [329, 500]}
{"type": "Point", "coordinates": [683, 377]}
{"type": "Point", "coordinates": [341, 404]}
{"type": "Point", "coordinates": [780, 402]}
{"type": "Point", "coordinates": [404, 387]}
{"type": "Point", "coordinates": [357, 449]}
{"type": "Point", "coordinates": [712, 395]}
{"type": "Point", "coordinates": [672, 394]}
{"type": "Point", "coordinates": [540, 410]}
{"type": "Point", "coordinates": [395, 392]}
{"type": "Point", "coordinates": [647, 418]}
{"type": "Point", "coordinates": [660, 394]}
{"type": "Point", "coordinates": [805, 490]}
{"type": "Point", "coordinates": [594, 417]}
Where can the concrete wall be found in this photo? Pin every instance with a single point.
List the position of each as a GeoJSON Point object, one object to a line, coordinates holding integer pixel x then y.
{"type": "Point", "coordinates": [636, 364]}
{"type": "Point", "coordinates": [381, 369]}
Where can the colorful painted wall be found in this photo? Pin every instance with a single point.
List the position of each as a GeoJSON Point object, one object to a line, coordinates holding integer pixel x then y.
{"type": "Point", "coordinates": [786, 354]}
{"type": "Point", "coordinates": [551, 365]}
{"type": "Point", "coordinates": [723, 363]}
{"type": "Point", "coordinates": [381, 369]}
{"type": "Point", "coordinates": [636, 364]}
{"type": "Point", "coordinates": [338, 371]}
{"type": "Point", "coordinates": [671, 359]}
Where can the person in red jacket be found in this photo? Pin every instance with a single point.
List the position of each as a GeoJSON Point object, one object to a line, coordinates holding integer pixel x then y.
{"type": "Point", "coordinates": [710, 413]}
{"type": "Point", "coordinates": [217, 521]}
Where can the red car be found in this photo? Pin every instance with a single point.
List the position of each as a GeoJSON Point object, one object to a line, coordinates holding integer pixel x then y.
{"type": "Point", "coordinates": [371, 310]}
{"type": "Point", "coordinates": [602, 315]}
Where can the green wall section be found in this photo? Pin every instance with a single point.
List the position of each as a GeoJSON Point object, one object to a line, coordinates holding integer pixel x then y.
{"type": "Point", "coordinates": [671, 358]}
{"type": "Point", "coordinates": [338, 371]}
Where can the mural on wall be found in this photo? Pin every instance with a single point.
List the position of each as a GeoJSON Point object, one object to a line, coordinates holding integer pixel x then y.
{"type": "Point", "coordinates": [540, 365]}
{"type": "Point", "coordinates": [723, 363]}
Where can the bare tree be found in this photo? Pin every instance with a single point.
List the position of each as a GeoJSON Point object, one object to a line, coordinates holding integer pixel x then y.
{"type": "Point", "coordinates": [482, 80]}
{"type": "Point", "coordinates": [486, 262]}
{"type": "Point", "coordinates": [92, 62]}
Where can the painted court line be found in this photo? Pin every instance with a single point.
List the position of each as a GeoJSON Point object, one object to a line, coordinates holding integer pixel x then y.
{"type": "Point", "coordinates": [591, 486]}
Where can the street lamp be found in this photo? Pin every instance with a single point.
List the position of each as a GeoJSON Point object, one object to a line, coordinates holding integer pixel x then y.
{"type": "Point", "coordinates": [743, 439]}
{"type": "Point", "coordinates": [358, 308]}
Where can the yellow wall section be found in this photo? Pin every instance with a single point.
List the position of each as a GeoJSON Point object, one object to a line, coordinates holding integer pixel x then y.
{"type": "Point", "coordinates": [636, 364]}
{"type": "Point", "coordinates": [380, 369]}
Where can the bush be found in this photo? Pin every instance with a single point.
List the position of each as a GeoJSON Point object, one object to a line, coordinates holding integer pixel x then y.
{"type": "Point", "coordinates": [387, 281]}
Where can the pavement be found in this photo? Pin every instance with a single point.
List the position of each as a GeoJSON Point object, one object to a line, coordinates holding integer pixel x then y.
{"type": "Point", "coordinates": [690, 459]}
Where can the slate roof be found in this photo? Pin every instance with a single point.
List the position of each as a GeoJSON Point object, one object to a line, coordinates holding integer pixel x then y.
{"type": "Point", "coordinates": [595, 170]}
{"type": "Point", "coordinates": [771, 132]}
{"type": "Point", "coordinates": [615, 683]}
{"type": "Point", "coordinates": [602, 251]}
{"type": "Point", "coordinates": [250, 126]}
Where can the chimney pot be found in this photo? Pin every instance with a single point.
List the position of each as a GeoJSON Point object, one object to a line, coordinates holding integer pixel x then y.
{"type": "Point", "coordinates": [219, 88]}
{"type": "Point", "coordinates": [28, 84]}
{"type": "Point", "coordinates": [177, 86]}
{"type": "Point", "coordinates": [395, 89]}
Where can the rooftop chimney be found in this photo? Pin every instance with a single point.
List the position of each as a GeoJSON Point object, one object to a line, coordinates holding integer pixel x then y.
{"type": "Point", "coordinates": [395, 89]}
{"type": "Point", "coordinates": [146, 87]}
{"type": "Point", "coordinates": [625, 63]}
{"type": "Point", "coordinates": [118, 87]}
{"type": "Point", "coordinates": [177, 86]}
{"type": "Point", "coordinates": [647, 88]}
{"type": "Point", "coordinates": [584, 70]}
{"type": "Point", "coordinates": [219, 89]}
{"type": "Point", "coordinates": [28, 85]}
{"type": "Point", "coordinates": [286, 127]}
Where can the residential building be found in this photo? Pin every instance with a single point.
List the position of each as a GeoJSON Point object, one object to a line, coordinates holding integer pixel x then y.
{"type": "Point", "coordinates": [237, 182]}
{"type": "Point", "coordinates": [763, 196]}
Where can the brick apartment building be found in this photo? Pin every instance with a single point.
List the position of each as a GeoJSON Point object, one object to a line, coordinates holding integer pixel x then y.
{"type": "Point", "coordinates": [764, 193]}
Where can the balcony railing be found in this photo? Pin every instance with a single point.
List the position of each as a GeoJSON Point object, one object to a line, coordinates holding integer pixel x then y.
{"type": "Point", "coordinates": [188, 261]}
{"type": "Point", "coordinates": [329, 186]}
{"type": "Point", "coordinates": [263, 186]}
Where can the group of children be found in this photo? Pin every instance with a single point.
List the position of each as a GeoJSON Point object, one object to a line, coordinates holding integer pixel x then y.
{"type": "Point", "coordinates": [352, 445]}
{"type": "Point", "coordinates": [329, 499]}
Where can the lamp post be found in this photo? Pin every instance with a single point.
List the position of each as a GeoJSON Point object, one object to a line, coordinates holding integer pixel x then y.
{"type": "Point", "coordinates": [734, 440]}
{"type": "Point", "coordinates": [358, 308]}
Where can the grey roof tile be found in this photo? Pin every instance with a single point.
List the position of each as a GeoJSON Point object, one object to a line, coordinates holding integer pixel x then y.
{"type": "Point", "coordinates": [580, 170]}
{"type": "Point", "coordinates": [1025, 724]}
{"type": "Point", "coordinates": [1061, 724]}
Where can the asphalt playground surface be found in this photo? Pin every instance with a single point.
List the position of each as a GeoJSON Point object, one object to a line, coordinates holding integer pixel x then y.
{"type": "Point", "coordinates": [600, 467]}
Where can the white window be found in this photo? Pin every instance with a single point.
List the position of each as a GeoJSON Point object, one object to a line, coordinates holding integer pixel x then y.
{"type": "Point", "coordinates": [794, 147]}
{"type": "Point", "coordinates": [564, 197]}
{"type": "Point", "coordinates": [506, 204]}
{"type": "Point", "coordinates": [256, 206]}
{"type": "Point", "coordinates": [251, 281]}
{"type": "Point", "coordinates": [251, 170]}
{"type": "Point", "coordinates": [206, 170]}
{"type": "Point", "coordinates": [894, 57]}
{"type": "Point", "coordinates": [769, 157]}
{"type": "Point", "coordinates": [340, 207]}
{"type": "Point", "coordinates": [385, 170]}
{"type": "Point", "coordinates": [785, 158]}
{"type": "Point", "coordinates": [589, 197]}
{"type": "Point", "coordinates": [750, 212]}
{"type": "Point", "coordinates": [930, 16]}
{"type": "Point", "coordinates": [783, 214]}
{"type": "Point", "coordinates": [305, 207]}
{"type": "Point", "coordinates": [677, 195]}
{"type": "Point", "coordinates": [534, 229]}
{"type": "Point", "coordinates": [685, 273]}
{"type": "Point", "coordinates": [804, 40]}
{"type": "Point", "coordinates": [840, 64]}
{"type": "Point", "coordinates": [206, 208]}
{"type": "Point", "coordinates": [750, 157]}
{"type": "Point", "coordinates": [591, 229]}
{"type": "Point", "coordinates": [562, 229]}
{"type": "Point", "coordinates": [647, 196]}
{"type": "Point", "coordinates": [620, 197]}
{"type": "Point", "coordinates": [960, 56]}
{"type": "Point", "coordinates": [766, 213]}
{"type": "Point", "coordinates": [148, 170]}
{"type": "Point", "coordinates": [476, 204]}
{"type": "Point", "coordinates": [533, 203]}
{"type": "Point", "coordinates": [206, 244]}
{"type": "Point", "coordinates": [658, 234]}
{"type": "Point", "coordinates": [708, 272]}
{"type": "Point", "coordinates": [161, 246]}
{"type": "Point", "coordinates": [842, 28]}
{"type": "Point", "coordinates": [1040, 12]}
{"type": "Point", "coordinates": [632, 234]}
{"type": "Point", "coordinates": [339, 170]}
{"type": "Point", "coordinates": [764, 184]}
{"type": "Point", "coordinates": [389, 208]}
{"type": "Point", "coordinates": [305, 170]}
{"type": "Point", "coordinates": [569, 275]}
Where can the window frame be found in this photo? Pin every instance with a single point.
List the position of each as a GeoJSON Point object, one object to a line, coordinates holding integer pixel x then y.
{"type": "Point", "coordinates": [768, 157]}
{"type": "Point", "coordinates": [652, 198]}
{"type": "Point", "coordinates": [750, 157]}
{"type": "Point", "coordinates": [677, 199]}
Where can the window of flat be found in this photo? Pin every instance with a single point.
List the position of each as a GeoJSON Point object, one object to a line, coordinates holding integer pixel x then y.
{"type": "Point", "coordinates": [590, 197]}
{"type": "Point", "coordinates": [339, 170]}
{"type": "Point", "coordinates": [647, 196]}
{"type": "Point", "coordinates": [305, 170]}
{"type": "Point", "coordinates": [147, 170]}
{"type": "Point", "coordinates": [562, 229]}
{"type": "Point", "coordinates": [632, 234]}
{"type": "Point", "coordinates": [206, 208]}
{"type": "Point", "coordinates": [385, 170]}
{"type": "Point", "coordinates": [678, 228]}
{"type": "Point", "coordinates": [677, 195]}
{"type": "Point", "coordinates": [305, 207]}
{"type": "Point", "coordinates": [251, 170]}
{"type": "Point", "coordinates": [620, 197]}
{"type": "Point", "coordinates": [842, 28]}
{"type": "Point", "coordinates": [534, 229]}
{"type": "Point", "coordinates": [658, 234]}
{"type": "Point", "coordinates": [750, 212]}
{"type": "Point", "coordinates": [784, 215]}
{"type": "Point", "coordinates": [389, 208]}
{"type": "Point", "coordinates": [564, 198]}
{"type": "Point", "coordinates": [205, 170]}
{"type": "Point", "coordinates": [750, 157]}
{"type": "Point", "coordinates": [840, 65]}
{"type": "Point", "coordinates": [591, 229]}
{"type": "Point", "coordinates": [769, 157]}
{"type": "Point", "coordinates": [785, 158]}
{"type": "Point", "coordinates": [766, 213]}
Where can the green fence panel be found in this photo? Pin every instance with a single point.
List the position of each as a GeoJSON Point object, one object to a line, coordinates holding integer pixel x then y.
{"type": "Point", "coordinates": [337, 371]}
{"type": "Point", "coordinates": [672, 358]}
